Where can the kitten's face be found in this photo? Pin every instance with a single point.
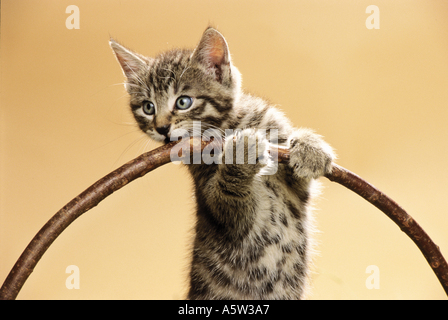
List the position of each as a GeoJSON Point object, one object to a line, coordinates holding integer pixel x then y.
{"type": "Point", "coordinates": [178, 87]}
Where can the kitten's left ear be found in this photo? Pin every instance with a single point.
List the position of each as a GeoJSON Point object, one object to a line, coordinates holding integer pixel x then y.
{"type": "Point", "coordinates": [213, 53]}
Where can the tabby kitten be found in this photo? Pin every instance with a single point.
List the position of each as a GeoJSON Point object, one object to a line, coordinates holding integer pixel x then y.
{"type": "Point", "coordinates": [252, 232]}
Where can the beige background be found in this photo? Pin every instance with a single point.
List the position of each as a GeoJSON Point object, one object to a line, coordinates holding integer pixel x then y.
{"type": "Point", "coordinates": [378, 96]}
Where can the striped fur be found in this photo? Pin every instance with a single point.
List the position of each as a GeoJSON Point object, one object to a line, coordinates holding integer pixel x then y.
{"type": "Point", "coordinates": [253, 235]}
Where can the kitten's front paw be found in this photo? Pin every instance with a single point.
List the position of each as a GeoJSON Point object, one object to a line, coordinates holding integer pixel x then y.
{"type": "Point", "coordinates": [310, 156]}
{"type": "Point", "coordinates": [245, 152]}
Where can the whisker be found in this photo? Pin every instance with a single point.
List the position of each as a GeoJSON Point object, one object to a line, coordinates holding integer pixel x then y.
{"type": "Point", "coordinates": [133, 85]}
{"type": "Point", "coordinates": [168, 77]}
{"type": "Point", "coordinates": [169, 71]}
{"type": "Point", "coordinates": [124, 124]}
{"type": "Point", "coordinates": [139, 80]}
{"type": "Point", "coordinates": [211, 126]}
{"type": "Point", "coordinates": [145, 147]}
{"type": "Point", "coordinates": [125, 95]}
{"type": "Point", "coordinates": [117, 84]}
{"type": "Point", "coordinates": [117, 138]}
{"type": "Point", "coordinates": [140, 139]}
{"type": "Point", "coordinates": [194, 130]}
{"type": "Point", "coordinates": [186, 68]}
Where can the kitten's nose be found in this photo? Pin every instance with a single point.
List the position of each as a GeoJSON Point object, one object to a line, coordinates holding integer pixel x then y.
{"type": "Point", "coordinates": [164, 129]}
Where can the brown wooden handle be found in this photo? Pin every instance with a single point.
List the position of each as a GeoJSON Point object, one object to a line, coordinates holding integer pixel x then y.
{"type": "Point", "coordinates": [160, 156]}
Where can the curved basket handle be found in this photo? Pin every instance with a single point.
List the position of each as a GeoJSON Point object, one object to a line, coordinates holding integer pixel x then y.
{"type": "Point", "coordinates": [151, 160]}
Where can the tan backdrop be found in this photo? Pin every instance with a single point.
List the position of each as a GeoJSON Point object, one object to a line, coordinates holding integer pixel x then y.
{"type": "Point", "coordinates": [379, 96]}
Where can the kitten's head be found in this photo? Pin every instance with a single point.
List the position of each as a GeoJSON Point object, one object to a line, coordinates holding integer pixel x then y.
{"type": "Point", "coordinates": [180, 86]}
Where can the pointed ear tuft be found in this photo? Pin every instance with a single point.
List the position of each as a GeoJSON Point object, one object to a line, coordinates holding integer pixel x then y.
{"type": "Point", "coordinates": [130, 61]}
{"type": "Point", "coordinates": [213, 53]}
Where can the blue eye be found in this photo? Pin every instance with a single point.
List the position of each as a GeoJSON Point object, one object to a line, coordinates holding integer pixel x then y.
{"type": "Point", "coordinates": [148, 108]}
{"type": "Point", "coordinates": [184, 102]}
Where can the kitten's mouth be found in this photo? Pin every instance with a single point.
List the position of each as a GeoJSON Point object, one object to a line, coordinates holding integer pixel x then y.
{"type": "Point", "coordinates": [168, 137]}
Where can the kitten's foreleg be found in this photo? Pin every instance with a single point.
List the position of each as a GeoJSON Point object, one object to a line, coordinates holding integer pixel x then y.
{"type": "Point", "coordinates": [244, 155]}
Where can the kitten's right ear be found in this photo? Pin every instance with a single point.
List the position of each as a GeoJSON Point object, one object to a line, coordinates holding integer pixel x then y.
{"type": "Point", "coordinates": [130, 61]}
